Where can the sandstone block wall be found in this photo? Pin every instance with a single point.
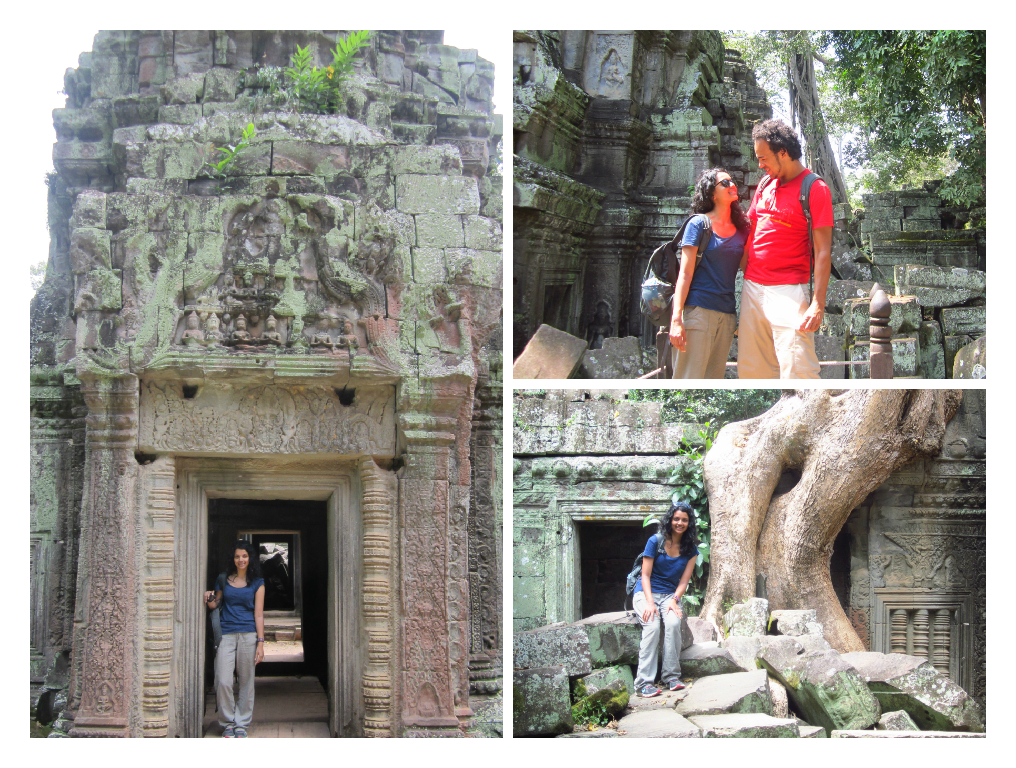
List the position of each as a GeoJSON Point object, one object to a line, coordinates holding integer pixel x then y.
{"type": "Point", "coordinates": [357, 252]}
{"type": "Point", "coordinates": [611, 130]}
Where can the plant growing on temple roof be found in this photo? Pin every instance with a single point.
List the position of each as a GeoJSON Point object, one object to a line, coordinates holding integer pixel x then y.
{"type": "Point", "coordinates": [230, 152]}
{"type": "Point", "coordinates": [317, 89]}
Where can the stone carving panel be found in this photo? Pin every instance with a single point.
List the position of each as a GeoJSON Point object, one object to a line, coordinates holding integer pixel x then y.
{"type": "Point", "coordinates": [426, 677]}
{"type": "Point", "coordinates": [266, 419]}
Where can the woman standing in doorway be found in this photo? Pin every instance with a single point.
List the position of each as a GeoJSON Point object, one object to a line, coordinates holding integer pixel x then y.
{"type": "Point", "coordinates": [243, 636]}
{"type": "Point", "coordinates": [704, 315]}
{"type": "Point", "coordinates": [666, 571]}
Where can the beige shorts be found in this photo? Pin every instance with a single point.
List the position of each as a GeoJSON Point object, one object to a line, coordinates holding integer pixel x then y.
{"type": "Point", "coordinates": [709, 334]}
{"type": "Point", "coordinates": [769, 346]}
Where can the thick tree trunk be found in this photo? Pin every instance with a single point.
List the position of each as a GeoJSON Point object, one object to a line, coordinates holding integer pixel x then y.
{"type": "Point", "coordinates": [782, 485]}
{"type": "Point", "coordinates": [806, 110]}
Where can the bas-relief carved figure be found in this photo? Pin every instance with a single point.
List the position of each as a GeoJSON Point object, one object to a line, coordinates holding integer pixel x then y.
{"type": "Point", "coordinates": [194, 322]}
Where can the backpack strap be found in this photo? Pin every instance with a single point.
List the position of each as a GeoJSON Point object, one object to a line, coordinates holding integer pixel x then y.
{"type": "Point", "coordinates": [805, 199]}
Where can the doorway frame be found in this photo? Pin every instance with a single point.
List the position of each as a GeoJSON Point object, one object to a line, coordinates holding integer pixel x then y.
{"type": "Point", "coordinates": [302, 479]}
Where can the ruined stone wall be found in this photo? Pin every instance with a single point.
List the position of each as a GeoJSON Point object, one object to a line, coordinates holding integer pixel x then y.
{"type": "Point", "coordinates": [577, 461]}
{"type": "Point", "coordinates": [917, 556]}
{"type": "Point", "coordinates": [611, 129]}
{"type": "Point", "coordinates": [934, 270]}
{"type": "Point", "coordinates": [335, 292]}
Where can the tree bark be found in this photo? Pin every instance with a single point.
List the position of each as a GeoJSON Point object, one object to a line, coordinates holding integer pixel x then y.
{"type": "Point", "coordinates": [806, 110]}
{"type": "Point", "coordinates": [782, 485]}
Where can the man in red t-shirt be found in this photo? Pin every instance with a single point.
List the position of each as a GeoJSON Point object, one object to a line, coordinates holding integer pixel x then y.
{"type": "Point", "coordinates": [776, 331]}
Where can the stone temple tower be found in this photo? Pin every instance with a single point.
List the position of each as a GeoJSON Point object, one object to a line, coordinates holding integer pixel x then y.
{"type": "Point", "coordinates": [304, 342]}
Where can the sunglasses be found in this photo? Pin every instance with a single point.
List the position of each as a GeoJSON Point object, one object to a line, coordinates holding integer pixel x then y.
{"type": "Point", "coordinates": [726, 183]}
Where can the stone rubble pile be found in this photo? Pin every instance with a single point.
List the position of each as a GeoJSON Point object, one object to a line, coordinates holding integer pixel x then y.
{"type": "Point", "coordinates": [770, 675]}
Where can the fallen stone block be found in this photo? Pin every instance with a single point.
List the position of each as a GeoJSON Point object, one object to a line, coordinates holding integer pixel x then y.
{"type": "Point", "coordinates": [824, 688]}
{"type": "Point", "coordinates": [557, 644]}
{"type": "Point", "coordinates": [831, 349]}
{"type": "Point", "coordinates": [971, 361]}
{"type": "Point", "coordinates": [795, 623]}
{"type": "Point", "coordinates": [620, 358]}
{"type": "Point", "coordinates": [812, 731]}
{"type": "Point", "coordinates": [704, 659]}
{"type": "Point", "coordinates": [541, 703]}
{"type": "Point", "coordinates": [702, 631]}
{"type": "Point", "coordinates": [912, 684]}
{"type": "Point", "coordinates": [932, 350]}
{"type": "Point", "coordinates": [778, 694]}
{"type": "Point", "coordinates": [550, 354]}
{"type": "Point", "coordinates": [613, 698]}
{"type": "Point", "coordinates": [613, 638]}
{"type": "Point", "coordinates": [603, 678]}
{"type": "Point", "coordinates": [904, 316]}
{"type": "Point", "coordinates": [747, 619]}
{"type": "Point", "coordinates": [896, 721]}
{"type": "Point", "coordinates": [811, 643]}
{"type": "Point", "coordinates": [744, 650]}
{"type": "Point", "coordinates": [750, 726]}
{"type": "Point", "coordinates": [952, 345]}
{"type": "Point", "coordinates": [964, 320]}
{"type": "Point", "coordinates": [841, 290]}
{"type": "Point", "coordinates": [904, 735]}
{"type": "Point", "coordinates": [658, 724]}
{"type": "Point", "coordinates": [737, 692]}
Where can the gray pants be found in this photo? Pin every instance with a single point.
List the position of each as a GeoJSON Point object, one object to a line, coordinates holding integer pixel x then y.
{"type": "Point", "coordinates": [649, 647]}
{"type": "Point", "coordinates": [235, 650]}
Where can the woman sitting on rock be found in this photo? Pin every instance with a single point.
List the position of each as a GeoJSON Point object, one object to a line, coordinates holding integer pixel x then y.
{"type": "Point", "coordinates": [665, 576]}
{"type": "Point", "coordinates": [703, 321]}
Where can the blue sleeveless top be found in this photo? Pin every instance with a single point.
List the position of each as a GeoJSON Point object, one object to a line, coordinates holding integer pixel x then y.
{"type": "Point", "coordinates": [238, 607]}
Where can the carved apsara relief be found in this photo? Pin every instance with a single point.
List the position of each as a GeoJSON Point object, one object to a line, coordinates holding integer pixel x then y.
{"type": "Point", "coordinates": [266, 419]}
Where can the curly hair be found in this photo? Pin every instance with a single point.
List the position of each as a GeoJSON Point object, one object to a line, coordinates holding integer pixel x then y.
{"type": "Point", "coordinates": [702, 200]}
{"type": "Point", "coordinates": [778, 135]}
{"type": "Point", "coordinates": [689, 539]}
{"type": "Point", "coordinates": [253, 561]}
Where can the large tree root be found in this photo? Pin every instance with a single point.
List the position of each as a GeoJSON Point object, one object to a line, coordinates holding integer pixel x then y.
{"type": "Point", "coordinates": [782, 485]}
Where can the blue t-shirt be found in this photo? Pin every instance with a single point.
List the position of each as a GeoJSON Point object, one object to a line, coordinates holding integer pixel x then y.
{"type": "Point", "coordinates": [712, 285]}
{"type": "Point", "coordinates": [667, 570]}
{"type": "Point", "coordinates": [238, 607]}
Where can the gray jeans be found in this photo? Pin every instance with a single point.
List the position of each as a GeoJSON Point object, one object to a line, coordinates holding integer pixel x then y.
{"type": "Point", "coordinates": [649, 647]}
{"type": "Point", "coordinates": [235, 650]}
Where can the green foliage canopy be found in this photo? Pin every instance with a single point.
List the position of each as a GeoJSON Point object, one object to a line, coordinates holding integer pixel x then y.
{"type": "Point", "coordinates": [918, 95]}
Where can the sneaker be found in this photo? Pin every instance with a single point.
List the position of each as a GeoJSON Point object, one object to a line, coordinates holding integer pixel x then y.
{"type": "Point", "coordinates": [240, 732]}
{"type": "Point", "coordinates": [648, 691]}
{"type": "Point", "coordinates": [676, 685]}
{"type": "Point", "coordinates": [229, 732]}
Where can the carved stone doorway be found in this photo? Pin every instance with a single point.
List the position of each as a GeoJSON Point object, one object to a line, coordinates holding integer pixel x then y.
{"type": "Point", "coordinates": [296, 598]}
{"type": "Point", "coordinates": [321, 499]}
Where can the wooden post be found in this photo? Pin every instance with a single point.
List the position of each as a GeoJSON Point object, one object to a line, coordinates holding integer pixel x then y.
{"type": "Point", "coordinates": [880, 350]}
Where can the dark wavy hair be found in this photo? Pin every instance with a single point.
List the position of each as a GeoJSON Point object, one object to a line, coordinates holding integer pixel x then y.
{"type": "Point", "coordinates": [253, 561]}
{"type": "Point", "coordinates": [702, 200]}
{"type": "Point", "coordinates": [689, 539]}
{"type": "Point", "coordinates": [778, 135]}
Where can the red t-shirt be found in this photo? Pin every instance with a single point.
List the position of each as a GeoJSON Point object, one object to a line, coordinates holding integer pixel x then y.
{"type": "Point", "coordinates": [778, 249]}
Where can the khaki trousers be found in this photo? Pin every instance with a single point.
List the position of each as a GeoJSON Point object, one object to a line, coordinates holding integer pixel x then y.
{"type": "Point", "coordinates": [709, 334]}
{"type": "Point", "coordinates": [769, 346]}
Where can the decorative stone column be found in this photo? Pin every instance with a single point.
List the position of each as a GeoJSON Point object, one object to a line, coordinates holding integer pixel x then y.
{"type": "Point", "coordinates": [485, 541]}
{"type": "Point", "coordinates": [104, 626]}
{"type": "Point", "coordinates": [433, 512]}
{"type": "Point", "coordinates": [158, 510]}
{"type": "Point", "coordinates": [376, 509]}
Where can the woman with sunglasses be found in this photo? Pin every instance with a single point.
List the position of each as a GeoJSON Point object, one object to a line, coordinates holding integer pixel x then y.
{"type": "Point", "coordinates": [704, 314]}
